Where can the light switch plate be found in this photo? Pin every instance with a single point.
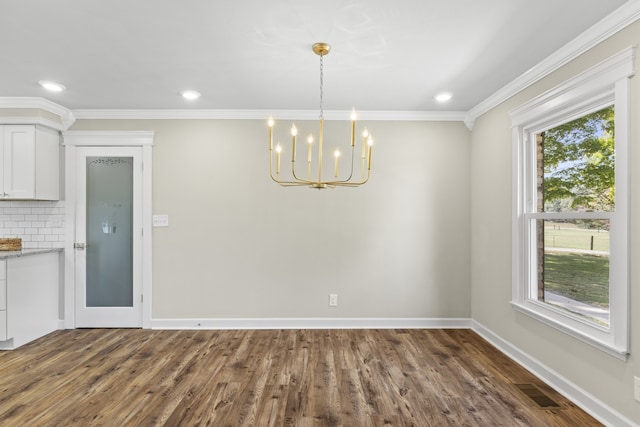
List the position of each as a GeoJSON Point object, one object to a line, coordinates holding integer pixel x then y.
{"type": "Point", "coordinates": [333, 300]}
{"type": "Point", "coordinates": [161, 220]}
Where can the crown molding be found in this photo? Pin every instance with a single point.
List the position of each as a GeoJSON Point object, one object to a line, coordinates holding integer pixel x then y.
{"type": "Point", "coordinates": [622, 17]}
{"type": "Point", "coordinates": [98, 114]}
{"type": "Point", "coordinates": [32, 120]}
{"type": "Point", "coordinates": [108, 138]}
{"type": "Point", "coordinates": [625, 15]}
{"type": "Point", "coordinates": [66, 116]}
{"type": "Point", "coordinates": [598, 82]}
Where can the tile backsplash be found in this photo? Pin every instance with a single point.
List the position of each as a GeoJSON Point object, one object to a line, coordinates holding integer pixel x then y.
{"type": "Point", "coordinates": [40, 224]}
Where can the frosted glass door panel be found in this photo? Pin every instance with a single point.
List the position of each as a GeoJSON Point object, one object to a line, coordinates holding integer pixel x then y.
{"type": "Point", "coordinates": [109, 264]}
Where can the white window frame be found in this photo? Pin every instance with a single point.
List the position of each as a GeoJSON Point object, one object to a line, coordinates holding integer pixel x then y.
{"type": "Point", "coordinates": [600, 86]}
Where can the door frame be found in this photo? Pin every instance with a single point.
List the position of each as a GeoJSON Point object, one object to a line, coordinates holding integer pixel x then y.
{"type": "Point", "coordinates": [72, 140]}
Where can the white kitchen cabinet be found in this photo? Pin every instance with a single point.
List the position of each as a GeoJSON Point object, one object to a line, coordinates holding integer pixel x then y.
{"type": "Point", "coordinates": [3, 301]}
{"type": "Point", "coordinates": [30, 162]}
{"type": "Point", "coordinates": [30, 285]}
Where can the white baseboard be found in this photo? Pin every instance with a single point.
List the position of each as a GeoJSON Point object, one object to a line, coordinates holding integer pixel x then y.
{"type": "Point", "coordinates": [595, 407]}
{"type": "Point", "coordinates": [312, 323]}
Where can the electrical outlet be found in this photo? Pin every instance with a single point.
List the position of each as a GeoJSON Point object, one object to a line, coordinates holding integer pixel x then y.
{"type": "Point", "coordinates": [636, 388]}
{"type": "Point", "coordinates": [333, 300]}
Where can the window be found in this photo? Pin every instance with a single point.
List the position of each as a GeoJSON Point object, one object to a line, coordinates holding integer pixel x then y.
{"type": "Point", "coordinates": [570, 216]}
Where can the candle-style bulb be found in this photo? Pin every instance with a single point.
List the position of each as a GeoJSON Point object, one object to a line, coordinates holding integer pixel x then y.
{"type": "Point", "coordinates": [294, 130]}
{"type": "Point", "coordinates": [278, 150]}
{"type": "Point", "coordinates": [336, 153]}
{"type": "Point", "coordinates": [370, 141]}
{"type": "Point", "coordinates": [270, 122]}
{"type": "Point", "coordinates": [310, 139]}
{"type": "Point", "coordinates": [354, 116]}
{"type": "Point", "coordinates": [365, 134]}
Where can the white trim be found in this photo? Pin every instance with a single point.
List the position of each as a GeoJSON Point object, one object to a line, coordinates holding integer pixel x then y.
{"type": "Point", "coordinates": [570, 215]}
{"type": "Point", "coordinates": [147, 233]}
{"type": "Point", "coordinates": [70, 234]}
{"type": "Point", "coordinates": [66, 116]}
{"type": "Point", "coordinates": [313, 323]}
{"type": "Point", "coordinates": [589, 403]}
{"type": "Point", "coordinates": [604, 84]}
{"type": "Point", "coordinates": [456, 116]}
{"type": "Point", "coordinates": [622, 17]}
{"type": "Point", "coordinates": [544, 315]}
{"type": "Point", "coordinates": [108, 138]}
{"type": "Point", "coordinates": [31, 120]}
{"type": "Point", "coordinates": [594, 85]}
{"type": "Point", "coordinates": [619, 304]}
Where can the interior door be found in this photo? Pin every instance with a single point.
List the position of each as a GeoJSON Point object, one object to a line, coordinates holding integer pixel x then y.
{"type": "Point", "coordinates": [108, 243]}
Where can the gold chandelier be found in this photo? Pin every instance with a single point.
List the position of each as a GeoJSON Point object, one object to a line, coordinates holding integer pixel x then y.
{"type": "Point", "coordinates": [321, 49]}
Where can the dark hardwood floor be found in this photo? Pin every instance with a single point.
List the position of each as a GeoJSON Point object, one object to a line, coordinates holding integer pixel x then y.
{"type": "Point", "coordinates": [116, 377]}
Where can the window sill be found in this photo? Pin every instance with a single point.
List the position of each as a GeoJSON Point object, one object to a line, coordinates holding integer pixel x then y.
{"type": "Point", "coordinates": [546, 316]}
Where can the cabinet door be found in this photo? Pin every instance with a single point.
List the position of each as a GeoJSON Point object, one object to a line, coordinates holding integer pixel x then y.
{"type": "Point", "coordinates": [19, 151]}
{"type": "Point", "coordinates": [2, 162]}
{"type": "Point", "coordinates": [3, 326]}
{"type": "Point", "coordinates": [3, 301]}
{"type": "Point", "coordinates": [47, 161]}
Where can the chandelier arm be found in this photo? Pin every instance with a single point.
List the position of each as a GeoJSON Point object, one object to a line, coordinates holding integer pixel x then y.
{"type": "Point", "coordinates": [351, 172]}
{"type": "Point", "coordinates": [298, 181]}
{"type": "Point", "coordinates": [278, 180]}
{"type": "Point", "coordinates": [350, 184]}
{"type": "Point", "coordinates": [292, 184]}
{"type": "Point", "coordinates": [293, 173]}
{"type": "Point", "coordinates": [303, 181]}
{"type": "Point", "coordinates": [271, 163]}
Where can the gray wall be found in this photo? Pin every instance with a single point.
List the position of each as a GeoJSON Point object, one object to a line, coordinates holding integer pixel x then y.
{"type": "Point", "coordinates": [599, 374]}
{"type": "Point", "coordinates": [238, 245]}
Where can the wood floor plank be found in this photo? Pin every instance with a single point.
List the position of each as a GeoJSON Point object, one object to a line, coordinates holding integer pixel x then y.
{"type": "Point", "coordinates": [72, 376]}
{"type": "Point", "coordinates": [271, 378]}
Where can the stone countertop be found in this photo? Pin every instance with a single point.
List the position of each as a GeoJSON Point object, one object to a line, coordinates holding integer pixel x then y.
{"type": "Point", "coordinates": [27, 252]}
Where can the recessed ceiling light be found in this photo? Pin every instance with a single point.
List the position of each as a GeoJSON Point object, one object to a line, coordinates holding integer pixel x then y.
{"type": "Point", "coordinates": [52, 86]}
{"type": "Point", "coordinates": [190, 94]}
{"type": "Point", "coordinates": [443, 97]}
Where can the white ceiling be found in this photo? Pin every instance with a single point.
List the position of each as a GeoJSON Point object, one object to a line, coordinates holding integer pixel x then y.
{"type": "Point", "coordinates": [256, 54]}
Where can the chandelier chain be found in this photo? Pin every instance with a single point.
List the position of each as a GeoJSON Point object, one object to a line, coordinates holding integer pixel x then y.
{"type": "Point", "coordinates": [321, 85]}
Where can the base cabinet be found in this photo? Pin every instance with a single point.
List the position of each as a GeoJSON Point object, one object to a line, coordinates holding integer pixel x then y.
{"type": "Point", "coordinates": [31, 298]}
